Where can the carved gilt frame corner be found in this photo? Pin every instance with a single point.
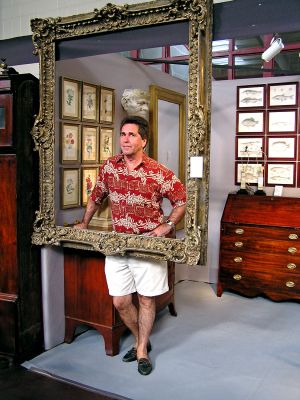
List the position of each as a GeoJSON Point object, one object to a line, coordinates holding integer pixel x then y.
{"type": "Point", "coordinates": [46, 34]}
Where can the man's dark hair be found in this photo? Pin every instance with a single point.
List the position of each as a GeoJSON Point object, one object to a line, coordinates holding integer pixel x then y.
{"type": "Point", "coordinates": [142, 123]}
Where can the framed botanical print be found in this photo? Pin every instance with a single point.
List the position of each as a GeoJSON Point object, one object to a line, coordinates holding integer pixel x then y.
{"type": "Point", "coordinates": [251, 96]}
{"type": "Point", "coordinates": [251, 171]}
{"type": "Point", "coordinates": [281, 174]}
{"type": "Point", "coordinates": [282, 147]}
{"type": "Point", "coordinates": [107, 105]}
{"type": "Point", "coordinates": [249, 147]}
{"type": "Point", "coordinates": [70, 98]}
{"type": "Point", "coordinates": [88, 181]}
{"type": "Point", "coordinates": [89, 144]}
{"type": "Point", "coordinates": [70, 184]}
{"type": "Point", "coordinates": [90, 102]}
{"type": "Point", "coordinates": [281, 121]}
{"type": "Point", "coordinates": [283, 94]}
{"type": "Point", "coordinates": [250, 122]}
{"type": "Point", "coordinates": [106, 143]}
{"type": "Point", "coordinates": [69, 143]}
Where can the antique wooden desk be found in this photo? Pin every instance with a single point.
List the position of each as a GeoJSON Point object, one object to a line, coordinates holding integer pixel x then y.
{"type": "Point", "coordinates": [260, 247]}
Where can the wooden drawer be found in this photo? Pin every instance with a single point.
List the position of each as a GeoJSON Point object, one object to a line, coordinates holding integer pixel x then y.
{"type": "Point", "coordinates": [258, 261]}
{"type": "Point", "coordinates": [265, 240]}
{"type": "Point", "coordinates": [277, 286]}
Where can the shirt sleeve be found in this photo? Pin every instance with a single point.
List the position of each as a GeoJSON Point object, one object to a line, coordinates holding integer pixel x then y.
{"type": "Point", "coordinates": [174, 190]}
{"type": "Point", "coordinates": [100, 191]}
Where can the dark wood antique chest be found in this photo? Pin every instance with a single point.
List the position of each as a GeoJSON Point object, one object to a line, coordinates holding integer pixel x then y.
{"type": "Point", "coordinates": [260, 247]}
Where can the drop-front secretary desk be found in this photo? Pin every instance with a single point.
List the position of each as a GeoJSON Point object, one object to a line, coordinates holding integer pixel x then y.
{"type": "Point", "coordinates": [260, 247]}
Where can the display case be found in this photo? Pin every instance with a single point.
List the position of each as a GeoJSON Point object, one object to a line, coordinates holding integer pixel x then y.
{"type": "Point", "coordinates": [20, 283]}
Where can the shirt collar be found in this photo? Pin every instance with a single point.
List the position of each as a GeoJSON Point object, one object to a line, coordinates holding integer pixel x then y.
{"type": "Point", "coordinates": [145, 159]}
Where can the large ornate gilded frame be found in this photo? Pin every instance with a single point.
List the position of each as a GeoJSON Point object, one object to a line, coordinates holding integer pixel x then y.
{"type": "Point", "coordinates": [46, 34]}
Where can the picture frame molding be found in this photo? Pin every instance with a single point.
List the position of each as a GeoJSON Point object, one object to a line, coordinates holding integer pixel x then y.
{"type": "Point", "coordinates": [109, 91]}
{"type": "Point", "coordinates": [84, 116]}
{"type": "Point", "coordinates": [261, 88]}
{"type": "Point", "coordinates": [274, 87]}
{"type": "Point", "coordinates": [77, 86]}
{"type": "Point", "coordinates": [63, 158]}
{"type": "Point", "coordinates": [63, 172]}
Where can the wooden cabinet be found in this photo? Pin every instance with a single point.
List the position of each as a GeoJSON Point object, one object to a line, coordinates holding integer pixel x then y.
{"type": "Point", "coordinates": [87, 300]}
{"type": "Point", "coordinates": [260, 247]}
{"type": "Point", "coordinates": [20, 285]}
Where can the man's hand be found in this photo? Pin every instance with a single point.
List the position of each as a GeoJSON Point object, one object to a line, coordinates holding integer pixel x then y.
{"type": "Point", "coordinates": [81, 225]}
{"type": "Point", "coordinates": [161, 230]}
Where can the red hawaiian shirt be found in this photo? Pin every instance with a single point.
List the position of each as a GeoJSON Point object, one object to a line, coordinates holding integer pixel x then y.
{"type": "Point", "coordinates": [136, 197]}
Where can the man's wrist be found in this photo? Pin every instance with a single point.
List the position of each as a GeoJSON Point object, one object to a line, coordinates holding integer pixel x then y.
{"type": "Point", "coordinates": [170, 223]}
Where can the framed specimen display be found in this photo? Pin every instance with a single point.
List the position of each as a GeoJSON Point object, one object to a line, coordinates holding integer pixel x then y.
{"type": "Point", "coordinates": [251, 96]}
{"type": "Point", "coordinates": [283, 94]}
{"type": "Point", "coordinates": [88, 180]}
{"type": "Point", "coordinates": [106, 143]}
{"type": "Point", "coordinates": [90, 102]}
{"type": "Point", "coordinates": [69, 143]}
{"type": "Point", "coordinates": [282, 147]}
{"type": "Point", "coordinates": [70, 98]}
{"type": "Point", "coordinates": [107, 105]}
{"type": "Point", "coordinates": [280, 121]}
{"type": "Point", "coordinates": [281, 174]}
{"type": "Point", "coordinates": [250, 122]}
{"type": "Point", "coordinates": [89, 144]}
{"type": "Point", "coordinates": [249, 147]}
{"type": "Point", "coordinates": [251, 171]}
{"type": "Point", "coordinates": [70, 184]}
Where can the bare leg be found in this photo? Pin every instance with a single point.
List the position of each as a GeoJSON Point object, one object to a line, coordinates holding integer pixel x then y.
{"type": "Point", "coordinates": [128, 314]}
{"type": "Point", "coordinates": [146, 317]}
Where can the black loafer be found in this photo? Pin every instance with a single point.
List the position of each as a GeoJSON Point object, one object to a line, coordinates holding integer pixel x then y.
{"type": "Point", "coordinates": [144, 366]}
{"type": "Point", "coordinates": [131, 354]}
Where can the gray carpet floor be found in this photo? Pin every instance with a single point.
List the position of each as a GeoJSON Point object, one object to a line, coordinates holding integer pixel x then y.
{"type": "Point", "coordinates": [228, 348]}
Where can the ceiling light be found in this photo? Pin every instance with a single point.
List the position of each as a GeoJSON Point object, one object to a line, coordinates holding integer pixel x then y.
{"type": "Point", "coordinates": [276, 46]}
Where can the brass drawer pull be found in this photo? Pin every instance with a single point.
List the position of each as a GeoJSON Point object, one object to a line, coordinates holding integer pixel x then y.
{"type": "Point", "coordinates": [290, 284]}
{"type": "Point", "coordinates": [239, 231]}
{"type": "Point", "coordinates": [292, 250]}
{"type": "Point", "coordinates": [239, 244]}
{"type": "Point", "coordinates": [291, 266]}
{"type": "Point", "coordinates": [238, 259]}
{"type": "Point", "coordinates": [293, 236]}
{"type": "Point", "coordinates": [237, 277]}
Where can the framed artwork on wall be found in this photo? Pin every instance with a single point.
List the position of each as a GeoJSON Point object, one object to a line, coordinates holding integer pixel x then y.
{"type": "Point", "coordinates": [89, 178]}
{"type": "Point", "coordinates": [281, 174]}
{"type": "Point", "coordinates": [90, 102]}
{"type": "Point", "coordinates": [69, 143]}
{"type": "Point", "coordinates": [251, 171]}
{"type": "Point", "coordinates": [107, 105]}
{"type": "Point", "coordinates": [70, 184]}
{"type": "Point", "coordinates": [282, 147]}
{"type": "Point", "coordinates": [251, 96]}
{"type": "Point", "coordinates": [89, 144]}
{"type": "Point", "coordinates": [106, 143]}
{"type": "Point", "coordinates": [249, 147]}
{"type": "Point", "coordinates": [70, 98]}
{"type": "Point", "coordinates": [250, 122]}
{"type": "Point", "coordinates": [281, 121]}
{"type": "Point", "coordinates": [283, 94]}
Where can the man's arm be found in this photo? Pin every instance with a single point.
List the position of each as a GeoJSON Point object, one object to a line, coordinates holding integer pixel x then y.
{"type": "Point", "coordinates": [90, 210]}
{"type": "Point", "coordinates": [163, 229]}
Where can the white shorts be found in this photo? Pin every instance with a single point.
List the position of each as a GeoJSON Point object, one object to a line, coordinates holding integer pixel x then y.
{"type": "Point", "coordinates": [127, 274]}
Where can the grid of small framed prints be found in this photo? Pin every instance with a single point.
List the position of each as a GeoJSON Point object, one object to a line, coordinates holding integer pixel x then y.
{"type": "Point", "coordinates": [86, 137]}
{"type": "Point", "coordinates": [267, 134]}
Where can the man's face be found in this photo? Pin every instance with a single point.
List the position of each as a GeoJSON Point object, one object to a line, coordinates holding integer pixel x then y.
{"type": "Point", "coordinates": [131, 141]}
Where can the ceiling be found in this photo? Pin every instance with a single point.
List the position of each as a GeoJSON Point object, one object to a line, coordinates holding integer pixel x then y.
{"type": "Point", "coordinates": [231, 19]}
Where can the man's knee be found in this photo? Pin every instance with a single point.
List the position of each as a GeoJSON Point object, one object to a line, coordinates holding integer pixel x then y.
{"type": "Point", "coordinates": [122, 302]}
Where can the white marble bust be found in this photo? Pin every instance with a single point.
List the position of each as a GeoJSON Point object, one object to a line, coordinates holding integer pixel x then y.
{"type": "Point", "coordinates": [136, 102]}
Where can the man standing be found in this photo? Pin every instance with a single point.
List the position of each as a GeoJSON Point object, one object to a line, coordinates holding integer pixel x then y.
{"type": "Point", "coordinates": [136, 186]}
